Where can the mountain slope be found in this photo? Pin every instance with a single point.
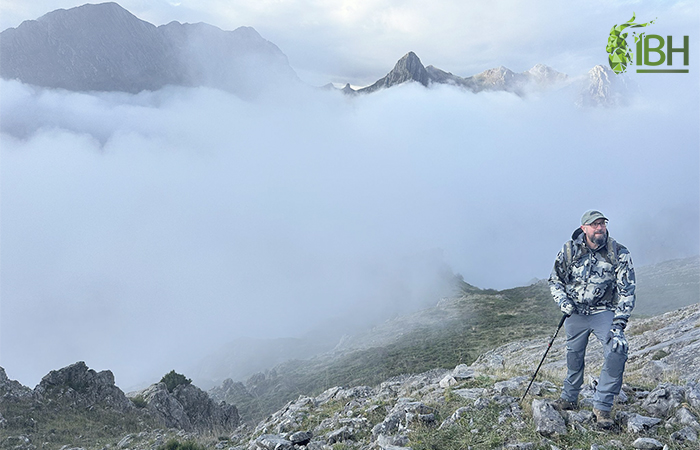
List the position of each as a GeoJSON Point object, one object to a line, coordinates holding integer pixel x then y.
{"type": "Point", "coordinates": [668, 285]}
{"type": "Point", "coordinates": [455, 331]}
{"type": "Point", "coordinates": [104, 47]}
{"type": "Point", "coordinates": [475, 405]}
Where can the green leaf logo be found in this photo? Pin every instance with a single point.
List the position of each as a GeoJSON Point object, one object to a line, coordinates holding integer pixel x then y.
{"type": "Point", "coordinates": [619, 55]}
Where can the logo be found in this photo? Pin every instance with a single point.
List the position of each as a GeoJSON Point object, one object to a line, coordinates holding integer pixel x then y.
{"type": "Point", "coordinates": [620, 55]}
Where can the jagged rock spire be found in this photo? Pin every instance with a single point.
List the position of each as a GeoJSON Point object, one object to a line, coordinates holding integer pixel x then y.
{"type": "Point", "coordinates": [408, 68]}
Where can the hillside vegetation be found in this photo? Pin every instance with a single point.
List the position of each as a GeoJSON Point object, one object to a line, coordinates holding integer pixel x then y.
{"type": "Point", "coordinates": [454, 332]}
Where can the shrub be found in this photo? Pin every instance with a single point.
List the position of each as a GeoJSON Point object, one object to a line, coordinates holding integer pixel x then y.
{"type": "Point", "coordinates": [173, 379]}
{"type": "Point", "coordinates": [139, 401]}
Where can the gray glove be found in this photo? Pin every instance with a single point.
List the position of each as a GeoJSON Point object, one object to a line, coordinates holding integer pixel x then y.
{"type": "Point", "coordinates": [619, 342]}
{"type": "Point", "coordinates": [567, 307]}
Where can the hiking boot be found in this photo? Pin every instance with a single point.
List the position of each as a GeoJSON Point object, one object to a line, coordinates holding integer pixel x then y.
{"type": "Point", "coordinates": [603, 418]}
{"type": "Point", "coordinates": [564, 405]}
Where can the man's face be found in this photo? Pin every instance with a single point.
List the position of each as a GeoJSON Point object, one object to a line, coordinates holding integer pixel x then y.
{"type": "Point", "coordinates": [596, 231]}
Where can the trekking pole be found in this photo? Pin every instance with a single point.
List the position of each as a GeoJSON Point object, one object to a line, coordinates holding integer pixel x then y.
{"type": "Point", "coordinates": [561, 322]}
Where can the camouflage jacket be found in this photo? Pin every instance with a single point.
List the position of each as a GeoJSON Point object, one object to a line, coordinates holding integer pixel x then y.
{"type": "Point", "coordinates": [594, 280]}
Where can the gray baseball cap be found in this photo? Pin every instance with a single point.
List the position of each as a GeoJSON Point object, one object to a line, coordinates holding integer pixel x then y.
{"type": "Point", "coordinates": [591, 216]}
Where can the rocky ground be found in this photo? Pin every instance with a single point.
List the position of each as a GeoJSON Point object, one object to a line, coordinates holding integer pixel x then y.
{"type": "Point", "coordinates": [476, 406]}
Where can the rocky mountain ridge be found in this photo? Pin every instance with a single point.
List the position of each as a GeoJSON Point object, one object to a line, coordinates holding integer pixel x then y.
{"type": "Point", "coordinates": [76, 398]}
{"type": "Point", "coordinates": [601, 86]}
{"type": "Point", "coordinates": [103, 47]}
{"type": "Point", "coordinates": [471, 406]}
{"type": "Point", "coordinates": [410, 69]}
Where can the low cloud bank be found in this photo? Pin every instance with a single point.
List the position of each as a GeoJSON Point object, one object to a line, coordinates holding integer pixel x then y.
{"type": "Point", "coordinates": [139, 230]}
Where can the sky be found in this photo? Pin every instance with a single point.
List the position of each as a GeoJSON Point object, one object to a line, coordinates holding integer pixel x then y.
{"type": "Point", "coordinates": [137, 231]}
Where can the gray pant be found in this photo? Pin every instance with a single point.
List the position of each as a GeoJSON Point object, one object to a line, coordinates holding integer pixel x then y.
{"type": "Point", "coordinates": [578, 330]}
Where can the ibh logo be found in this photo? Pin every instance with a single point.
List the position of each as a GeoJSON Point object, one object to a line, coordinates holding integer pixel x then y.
{"type": "Point", "coordinates": [620, 55]}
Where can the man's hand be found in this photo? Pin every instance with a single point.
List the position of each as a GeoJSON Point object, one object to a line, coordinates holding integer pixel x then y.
{"type": "Point", "coordinates": [619, 342]}
{"type": "Point", "coordinates": [567, 307]}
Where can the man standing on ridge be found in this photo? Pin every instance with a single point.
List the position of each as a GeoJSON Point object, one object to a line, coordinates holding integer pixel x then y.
{"type": "Point", "coordinates": [593, 283]}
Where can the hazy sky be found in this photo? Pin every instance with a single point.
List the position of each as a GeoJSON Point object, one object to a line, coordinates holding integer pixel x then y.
{"type": "Point", "coordinates": [139, 230]}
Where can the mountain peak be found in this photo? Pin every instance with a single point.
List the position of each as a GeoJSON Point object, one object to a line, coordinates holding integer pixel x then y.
{"type": "Point", "coordinates": [606, 88]}
{"type": "Point", "coordinates": [544, 74]}
{"type": "Point", "coordinates": [100, 12]}
{"type": "Point", "coordinates": [408, 68]}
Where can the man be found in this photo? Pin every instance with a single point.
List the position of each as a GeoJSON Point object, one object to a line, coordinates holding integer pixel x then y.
{"type": "Point", "coordinates": [593, 283]}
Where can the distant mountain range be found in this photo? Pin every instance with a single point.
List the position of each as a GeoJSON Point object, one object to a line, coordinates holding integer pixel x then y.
{"type": "Point", "coordinates": [104, 47]}
{"type": "Point", "coordinates": [409, 68]}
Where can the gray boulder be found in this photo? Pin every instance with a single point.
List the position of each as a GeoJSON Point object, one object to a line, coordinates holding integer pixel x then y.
{"type": "Point", "coordinates": [683, 416]}
{"type": "Point", "coordinates": [686, 434]}
{"type": "Point", "coordinates": [638, 424]}
{"type": "Point", "coordinates": [301, 437]}
{"type": "Point", "coordinates": [663, 399]}
{"type": "Point", "coordinates": [692, 395]}
{"type": "Point", "coordinates": [339, 435]}
{"type": "Point", "coordinates": [271, 442]}
{"type": "Point", "coordinates": [647, 444]}
{"type": "Point", "coordinates": [547, 420]}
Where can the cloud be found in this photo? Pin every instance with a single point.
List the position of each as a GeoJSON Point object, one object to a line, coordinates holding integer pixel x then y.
{"type": "Point", "coordinates": [139, 230]}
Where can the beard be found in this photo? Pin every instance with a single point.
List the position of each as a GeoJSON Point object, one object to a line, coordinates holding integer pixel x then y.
{"type": "Point", "coordinates": [598, 239]}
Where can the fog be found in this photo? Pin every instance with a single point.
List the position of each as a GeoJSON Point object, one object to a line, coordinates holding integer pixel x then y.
{"type": "Point", "coordinates": [140, 231]}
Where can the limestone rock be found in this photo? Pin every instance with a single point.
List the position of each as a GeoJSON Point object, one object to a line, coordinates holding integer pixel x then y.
{"type": "Point", "coordinates": [271, 442]}
{"type": "Point", "coordinates": [77, 385]}
{"type": "Point", "coordinates": [547, 420]}
{"type": "Point", "coordinates": [686, 434]}
{"type": "Point", "coordinates": [12, 388]}
{"type": "Point", "coordinates": [301, 437]}
{"type": "Point", "coordinates": [647, 444]}
{"type": "Point", "coordinates": [664, 398]}
{"type": "Point", "coordinates": [638, 424]}
{"type": "Point", "coordinates": [692, 395]}
{"type": "Point", "coordinates": [188, 408]}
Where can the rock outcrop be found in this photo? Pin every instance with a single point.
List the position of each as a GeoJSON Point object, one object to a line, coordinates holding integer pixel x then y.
{"type": "Point", "coordinates": [81, 387]}
{"type": "Point", "coordinates": [76, 397]}
{"type": "Point", "coordinates": [11, 388]}
{"type": "Point", "coordinates": [188, 408]}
